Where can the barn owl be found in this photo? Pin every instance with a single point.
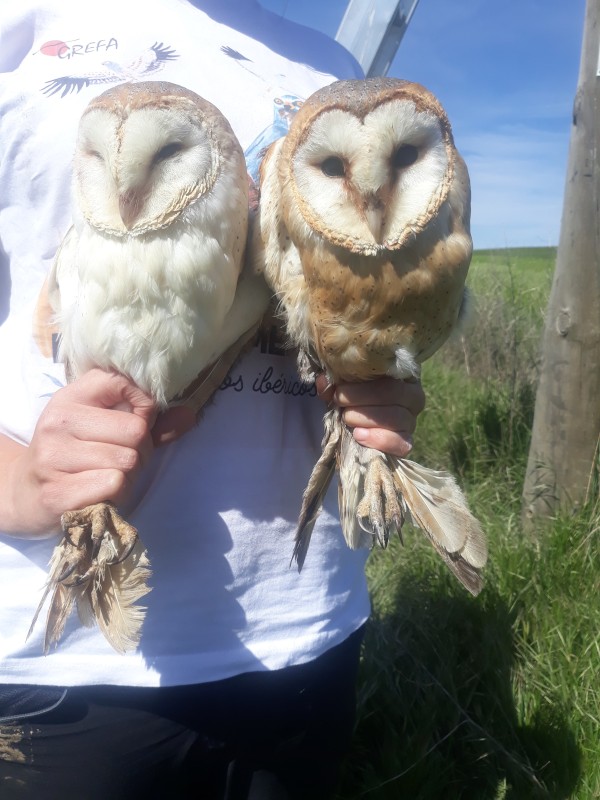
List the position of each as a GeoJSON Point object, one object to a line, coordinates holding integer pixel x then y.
{"type": "Point", "coordinates": [148, 282]}
{"type": "Point", "coordinates": [363, 234]}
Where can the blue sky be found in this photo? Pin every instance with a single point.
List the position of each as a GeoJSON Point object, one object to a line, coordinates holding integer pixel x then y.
{"type": "Point", "coordinates": [506, 72]}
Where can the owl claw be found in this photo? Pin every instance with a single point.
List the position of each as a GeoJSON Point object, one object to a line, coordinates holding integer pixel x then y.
{"type": "Point", "coordinates": [127, 550]}
{"type": "Point", "coordinates": [79, 580]}
{"type": "Point", "coordinates": [66, 573]}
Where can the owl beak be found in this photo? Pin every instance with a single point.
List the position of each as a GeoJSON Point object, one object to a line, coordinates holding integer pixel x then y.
{"type": "Point", "coordinates": [374, 218]}
{"type": "Point", "coordinates": [130, 205]}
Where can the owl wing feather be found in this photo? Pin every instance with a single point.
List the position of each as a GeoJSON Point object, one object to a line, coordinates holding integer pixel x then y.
{"type": "Point", "coordinates": [63, 278]}
{"type": "Point", "coordinates": [242, 324]}
{"type": "Point", "coordinates": [437, 506]}
{"type": "Point", "coordinates": [318, 484]}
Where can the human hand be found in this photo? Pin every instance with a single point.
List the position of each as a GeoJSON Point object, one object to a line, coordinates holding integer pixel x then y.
{"type": "Point", "coordinates": [90, 442]}
{"type": "Point", "coordinates": [382, 413]}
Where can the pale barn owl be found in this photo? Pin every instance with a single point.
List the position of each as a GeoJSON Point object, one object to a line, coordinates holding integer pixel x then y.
{"type": "Point", "coordinates": [148, 283]}
{"type": "Point", "coordinates": [363, 234]}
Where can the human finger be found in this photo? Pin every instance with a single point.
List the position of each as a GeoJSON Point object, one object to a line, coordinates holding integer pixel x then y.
{"type": "Point", "coordinates": [392, 417]}
{"type": "Point", "coordinates": [325, 389]}
{"type": "Point", "coordinates": [382, 392]}
{"type": "Point", "coordinates": [394, 443]}
{"type": "Point", "coordinates": [81, 489]}
{"type": "Point", "coordinates": [111, 390]}
{"type": "Point", "coordinates": [64, 420]}
{"type": "Point", "coordinates": [90, 456]}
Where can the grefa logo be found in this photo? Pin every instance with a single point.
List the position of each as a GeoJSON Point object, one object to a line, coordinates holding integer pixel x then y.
{"type": "Point", "coordinates": [67, 50]}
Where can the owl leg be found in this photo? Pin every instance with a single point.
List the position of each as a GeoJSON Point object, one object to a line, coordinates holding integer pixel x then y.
{"type": "Point", "coordinates": [379, 511]}
{"type": "Point", "coordinates": [103, 532]}
{"type": "Point", "coordinates": [309, 368]}
{"type": "Point", "coordinates": [371, 508]}
{"type": "Point", "coordinates": [100, 567]}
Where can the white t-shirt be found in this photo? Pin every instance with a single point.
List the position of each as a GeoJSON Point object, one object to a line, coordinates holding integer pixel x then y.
{"type": "Point", "coordinates": [217, 509]}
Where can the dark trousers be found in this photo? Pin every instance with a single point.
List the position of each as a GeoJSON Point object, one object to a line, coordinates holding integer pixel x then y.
{"type": "Point", "coordinates": [277, 735]}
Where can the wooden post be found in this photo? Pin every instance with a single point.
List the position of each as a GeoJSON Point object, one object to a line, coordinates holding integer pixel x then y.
{"type": "Point", "coordinates": [566, 427]}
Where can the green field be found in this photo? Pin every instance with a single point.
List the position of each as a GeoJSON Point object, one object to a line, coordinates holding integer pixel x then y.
{"type": "Point", "coordinates": [496, 696]}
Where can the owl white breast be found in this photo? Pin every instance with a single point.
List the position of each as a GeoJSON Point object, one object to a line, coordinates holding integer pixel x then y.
{"type": "Point", "coordinates": [143, 281]}
{"type": "Point", "coordinates": [364, 227]}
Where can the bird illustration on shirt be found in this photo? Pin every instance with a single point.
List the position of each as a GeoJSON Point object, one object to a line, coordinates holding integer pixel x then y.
{"type": "Point", "coordinates": [147, 64]}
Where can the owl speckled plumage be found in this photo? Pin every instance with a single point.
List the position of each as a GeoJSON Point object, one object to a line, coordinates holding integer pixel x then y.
{"type": "Point", "coordinates": [364, 236]}
{"type": "Point", "coordinates": [148, 283]}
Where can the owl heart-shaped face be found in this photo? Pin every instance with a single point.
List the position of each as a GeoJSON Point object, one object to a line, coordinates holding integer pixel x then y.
{"type": "Point", "coordinates": [371, 162]}
{"type": "Point", "coordinates": [147, 151]}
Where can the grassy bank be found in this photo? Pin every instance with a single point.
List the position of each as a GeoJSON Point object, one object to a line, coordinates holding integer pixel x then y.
{"type": "Point", "coordinates": [498, 696]}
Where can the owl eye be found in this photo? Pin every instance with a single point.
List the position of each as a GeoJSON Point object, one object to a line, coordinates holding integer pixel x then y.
{"type": "Point", "coordinates": [95, 154]}
{"type": "Point", "coordinates": [333, 167]}
{"type": "Point", "coordinates": [405, 155]}
{"type": "Point", "coordinates": [167, 151]}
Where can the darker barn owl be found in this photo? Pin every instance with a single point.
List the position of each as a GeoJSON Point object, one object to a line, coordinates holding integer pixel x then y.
{"type": "Point", "coordinates": [363, 234]}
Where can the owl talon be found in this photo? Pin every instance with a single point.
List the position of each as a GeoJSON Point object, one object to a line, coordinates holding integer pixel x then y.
{"type": "Point", "coordinates": [66, 573]}
{"type": "Point", "coordinates": [126, 552]}
{"type": "Point", "coordinates": [79, 580]}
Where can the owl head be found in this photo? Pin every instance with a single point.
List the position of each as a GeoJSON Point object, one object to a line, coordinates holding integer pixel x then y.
{"type": "Point", "coordinates": [369, 162]}
{"type": "Point", "coordinates": [146, 152]}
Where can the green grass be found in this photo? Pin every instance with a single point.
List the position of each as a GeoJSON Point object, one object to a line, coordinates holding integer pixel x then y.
{"type": "Point", "coordinates": [497, 696]}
